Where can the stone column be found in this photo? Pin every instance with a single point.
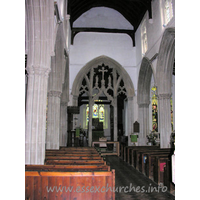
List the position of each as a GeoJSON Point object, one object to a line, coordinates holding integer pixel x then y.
{"type": "Point", "coordinates": [164, 119]}
{"type": "Point", "coordinates": [26, 82]}
{"type": "Point", "coordinates": [63, 124]}
{"type": "Point", "coordinates": [130, 118]}
{"type": "Point", "coordinates": [90, 121]}
{"type": "Point", "coordinates": [36, 115]}
{"type": "Point", "coordinates": [173, 100]}
{"type": "Point", "coordinates": [53, 117]}
{"type": "Point", "coordinates": [144, 123]}
{"type": "Point", "coordinates": [39, 49]}
{"type": "Point", "coordinates": [115, 119]}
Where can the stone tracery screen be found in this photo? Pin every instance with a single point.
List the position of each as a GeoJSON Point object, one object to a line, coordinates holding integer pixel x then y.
{"type": "Point", "coordinates": [101, 84]}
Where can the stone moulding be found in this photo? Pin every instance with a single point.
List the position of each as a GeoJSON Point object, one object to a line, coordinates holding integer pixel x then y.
{"type": "Point", "coordinates": [54, 94]}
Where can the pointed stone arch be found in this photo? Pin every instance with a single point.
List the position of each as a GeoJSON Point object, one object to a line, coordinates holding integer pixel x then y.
{"type": "Point", "coordinates": [143, 98]}
{"type": "Point", "coordinates": [164, 71]}
{"type": "Point", "coordinates": [118, 74]}
{"type": "Point", "coordinates": [165, 62]}
{"type": "Point", "coordinates": [112, 64]}
{"type": "Point", "coordinates": [144, 81]}
{"type": "Point", "coordinates": [57, 94]}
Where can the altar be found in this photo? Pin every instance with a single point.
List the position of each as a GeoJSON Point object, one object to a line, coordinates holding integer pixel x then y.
{"type": "Point", "coordinates": [108, 142]}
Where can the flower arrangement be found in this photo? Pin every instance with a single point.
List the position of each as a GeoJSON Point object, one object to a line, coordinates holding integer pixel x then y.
{"type": "Point", "coordinates": [172, 138]}
{"type": "Point", "coordinates": [152, 137]}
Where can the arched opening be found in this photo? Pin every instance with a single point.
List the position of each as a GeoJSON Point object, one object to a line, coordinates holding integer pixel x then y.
{"type": "Point", "coordinates": [143, 98]}
{"type": "Point", "coordinates": [104, 83]}
{"type": "Point", "coordinates": [64, 99]}
{"type": "Point", "coordinates": [164, 72]}
{"type": "Point", "coordinates": [58, 94]}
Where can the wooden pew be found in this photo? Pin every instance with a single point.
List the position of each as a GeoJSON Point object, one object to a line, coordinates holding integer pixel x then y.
{"type": "Point", "coordinates": [157, 173]}
{"type": "Point", "coordinates": [168, 176]}
{"type": "Point", "coordinates": [87, 148]}
{"type": "Point", "coordinates": [73, 157]}
{"type": "Point", "coordinates": [67, 168]}
{"type": "Point", "coordinates": [69, 185]}
{"type": "Point", "coordinates": [150, 160]}
{"type": "Point", "coordinates": [150, 164]}
{"type": "Point", "coordinates": [72, 167]}
{"type": "Point", "coordinates": [71, 154]}
{"type": "Point", "coordinates": [75, 162]}
{"type": "Point", "coordinates": [128, 152]}
{"type": "Point", "coordinates": [153, 169]}
{"type": "Point", "coordinates": [71, 151]}
{"type": "Point", "coordinates": [136, 156]}
{"type": "Point", "coordinates": [140, 156]}
{"type": "Point", "coordinates": [132, 153]}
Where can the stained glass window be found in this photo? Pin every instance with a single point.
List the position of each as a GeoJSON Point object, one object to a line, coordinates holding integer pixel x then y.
{"type": "Point", "coordinates": [87, 115]}
{"type": "Point", "coordinates": [154, 110]}
{"type": "Point", "coordinates": [95, 111]}
{"type": "Point", "coordinates": [101, 113]}
{"type": "Point", "coordinates": [98, 112]}
{"type": "Point", "coordinates": [172, 123]}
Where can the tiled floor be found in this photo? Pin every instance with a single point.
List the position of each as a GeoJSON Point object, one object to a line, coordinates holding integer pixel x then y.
{"type": "Point", "coordinates": [136, 185]}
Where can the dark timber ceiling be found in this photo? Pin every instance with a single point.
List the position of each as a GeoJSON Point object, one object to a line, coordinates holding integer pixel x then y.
{"type": "Point", "coordinates": [132, 10]}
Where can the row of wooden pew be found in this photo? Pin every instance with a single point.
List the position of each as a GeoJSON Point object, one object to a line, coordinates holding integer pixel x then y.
{"type": "Point", "coordinates": [152, 161]}
{"type": "Point", "coordinates": [70, 173]}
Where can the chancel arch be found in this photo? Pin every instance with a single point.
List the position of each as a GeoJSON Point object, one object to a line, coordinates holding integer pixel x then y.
{"type": "Point", "coordinates": [104, 81]}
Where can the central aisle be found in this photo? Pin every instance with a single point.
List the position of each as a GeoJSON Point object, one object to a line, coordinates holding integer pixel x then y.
{"type": "Point", "coordinates": [133, 184]}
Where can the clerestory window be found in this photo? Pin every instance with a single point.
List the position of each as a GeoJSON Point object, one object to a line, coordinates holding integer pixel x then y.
{"type": "Point", "coordinates": [144, 37]}
{"type": "Point", "coordinates": [168, 11]}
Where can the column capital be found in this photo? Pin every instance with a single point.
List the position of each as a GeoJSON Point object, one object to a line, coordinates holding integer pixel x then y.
{"type": "Point", "coordinates": [54, 94]}
{"type": "Point", "coordinates": [164, 96]}
{"type": "Point", "coordinates": [144, 104]}
{"type": "Point", "coordinates": [37, 70]}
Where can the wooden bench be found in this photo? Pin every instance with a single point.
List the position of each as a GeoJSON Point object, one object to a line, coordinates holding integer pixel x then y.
{"type": "Point", "coordinates": [115, 143]}
{"type": "Point", "coordinates": [140, 156]}
{"type": "Point", "coordinates": [71, 151]}
{"type": "Point", "coordinates": [82, 148]}
{"type": "Point", "coordinates": [75, 168]}
{"type": "Point", "coordinates": [71, 154]}
{"type": "Point", "coordinates": [157, 171]}
{"type": "Point", "coordinates": [153, 171]}
{"type": "Point", "coordinates": [69, 185]}
{"type": "Point", "coordinates": [75, 162]}
{"type": "Point", "coordinates": [127, 150]}
{"type": "Point", "coordinates": [168, 176]}
{"type": "Point", "coordinates": [67, 168]}
{"type": "Point", "coordinates": [132, 153]}
{"type": "Point", "coordinates": [151, 162]}
{"type": "Point", "coordinates": [60, 157]}
{"type": "Point", "coordinates": [73, 157]}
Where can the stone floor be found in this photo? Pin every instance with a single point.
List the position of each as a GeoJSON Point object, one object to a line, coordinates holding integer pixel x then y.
{"type": "Point", "coordinates": [136, 185]}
